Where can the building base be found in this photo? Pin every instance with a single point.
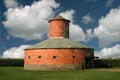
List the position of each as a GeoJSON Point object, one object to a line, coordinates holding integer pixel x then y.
{"type": "Point", "coordinates": [53, 67]}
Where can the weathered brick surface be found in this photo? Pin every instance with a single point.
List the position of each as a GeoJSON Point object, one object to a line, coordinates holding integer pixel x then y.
{"type": "Point", "coordinates": [47, 59]}
{"type": "Point", "coordinates": [63, 57]}
{"type": "Point", "coordinates": [57, 28]}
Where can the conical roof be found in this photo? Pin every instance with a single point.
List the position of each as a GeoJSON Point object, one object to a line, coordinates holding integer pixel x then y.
{"type": "Point", "coordinates": [58, 43]}
{"type": "Point", "coordinates": [59, 17]}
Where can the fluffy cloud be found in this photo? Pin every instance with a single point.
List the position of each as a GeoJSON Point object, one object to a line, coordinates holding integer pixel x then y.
{"type": "Point", "coordinates": [11, 3]}
{"type": "Point", "coordinates": [109, 52]}
{"type": "Point", "coordinates": [108, 30]}
{"type": "Point", "coordinates": [89, 34]}
{"type": "Point", "coordinates": [76, 32]}
{"type": "Point", "coordinates": [15, 52]}
{"type": "Point", "coordinates": [30, 22]}
{"type": "Point", "coordinates": [109, 3]}
{"type": "Point", "coordinates": [87, 19]}
{"type": "Point", "coordinates": [69, 14]}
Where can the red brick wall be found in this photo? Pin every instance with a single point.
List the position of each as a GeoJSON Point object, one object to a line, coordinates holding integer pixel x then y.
{"type": "Point", "coordinates": [57, 28]}
{"type": "Point", "coordinates": [63, 56]}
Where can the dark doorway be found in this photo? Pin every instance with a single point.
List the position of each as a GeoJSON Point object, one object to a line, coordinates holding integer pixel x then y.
{"type": "Point", "coordinates": [88, 62]}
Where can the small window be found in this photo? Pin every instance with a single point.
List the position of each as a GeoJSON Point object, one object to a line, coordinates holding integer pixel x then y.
{"type": "Point", "coordinates": [29, 57]}
{"type": "Point", "coordinates": [54, 56]}
{"type": "Point", "coordinates": [73, 56]}
{"type": "Point", "coordinates": [39, 57]}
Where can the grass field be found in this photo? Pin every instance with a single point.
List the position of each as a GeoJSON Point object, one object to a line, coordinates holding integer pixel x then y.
{"type": "Point", "coordinates": [18, 73]}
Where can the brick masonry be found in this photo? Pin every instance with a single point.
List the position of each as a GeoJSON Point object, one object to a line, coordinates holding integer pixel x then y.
{"type": "Point", "coordinates": [55, 58]}
{"type": "Point", "coordinates": [58, 27]}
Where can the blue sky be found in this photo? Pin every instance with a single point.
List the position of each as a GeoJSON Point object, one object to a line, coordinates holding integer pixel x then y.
{"type": "Point", "coordinates": [95, 23]}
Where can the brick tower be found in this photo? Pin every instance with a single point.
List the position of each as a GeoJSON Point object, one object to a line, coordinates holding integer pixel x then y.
{"type": "Point", "coordinates": [58, 52]}
{"type": "Point", "coordinates": [59, 27]}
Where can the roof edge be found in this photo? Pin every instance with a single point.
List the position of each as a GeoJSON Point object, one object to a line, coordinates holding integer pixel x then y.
{"type": "Point", "coordinates": [59, 48]}
{"type": "Point", "coordinates": [59, 19]}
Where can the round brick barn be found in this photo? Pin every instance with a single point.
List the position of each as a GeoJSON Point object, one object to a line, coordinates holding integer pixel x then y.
{"type": "Point", "coordinates": [58, 52]}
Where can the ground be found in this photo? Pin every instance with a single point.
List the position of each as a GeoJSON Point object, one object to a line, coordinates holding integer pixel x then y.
{"type": "Point", "coordinates": [18, 73]}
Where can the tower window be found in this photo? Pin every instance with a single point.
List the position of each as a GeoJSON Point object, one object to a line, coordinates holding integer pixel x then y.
{"type": "Point", "coordinates": [73, 56]}
{"type": "Point", "coordinates": [54, 56]}
{"type": "Point", "coordinates": [39, 57]}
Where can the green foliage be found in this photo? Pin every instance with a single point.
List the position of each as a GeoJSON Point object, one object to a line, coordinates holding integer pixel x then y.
{"type": "Point", "coordinates": [18, 73]}
{"type": "Point", "coordinates": [107, 63]}
{"type": "Point", "coordinates": [100, 63]}
{"type": "Point", "coordinates": [11, 62]}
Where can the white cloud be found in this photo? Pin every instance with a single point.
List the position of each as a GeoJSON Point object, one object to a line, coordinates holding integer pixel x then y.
{"type": "Point", "coordinates": [109, 52]}
{"type": "Point", "coordinates": [109, 3]}
{"type": "Point", "coordinates": [108, 30]}
{"type": "Point", "coordinates": [76, 32]}
{"type": "Point", "coordinates": [15, 52]}
{"type": "Point", "coordinates": [11, 3]}
{"type": "Point", "coordinates": [89, 34]}
{"type": "Point", "coordinates": [68, 14]}
{"type": "Point", "coordinates": [30, 22]}
{"type": "Point", "coordinates": [87, 19]}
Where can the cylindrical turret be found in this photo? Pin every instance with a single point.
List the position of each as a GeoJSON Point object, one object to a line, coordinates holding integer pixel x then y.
{"type": "Point", "coordinates": [59, 27]}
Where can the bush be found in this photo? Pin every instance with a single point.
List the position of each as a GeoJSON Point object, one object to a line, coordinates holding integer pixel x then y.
{"type": "Point", "coordinates": [107, 63]}
{"type": "Point", "coordinates": [99, 63]}
{"type": "Point", "coordinates": [11, 62]}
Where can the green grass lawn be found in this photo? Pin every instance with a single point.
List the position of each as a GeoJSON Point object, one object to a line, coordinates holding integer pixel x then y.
{"type": "Point", "coordinates": [18, 73]}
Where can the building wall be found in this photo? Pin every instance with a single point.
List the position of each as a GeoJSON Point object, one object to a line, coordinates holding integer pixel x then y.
{"type": "Point", "coordinates": [60, 58]}
{"type": "Point", "coordinates": [58, 28]}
